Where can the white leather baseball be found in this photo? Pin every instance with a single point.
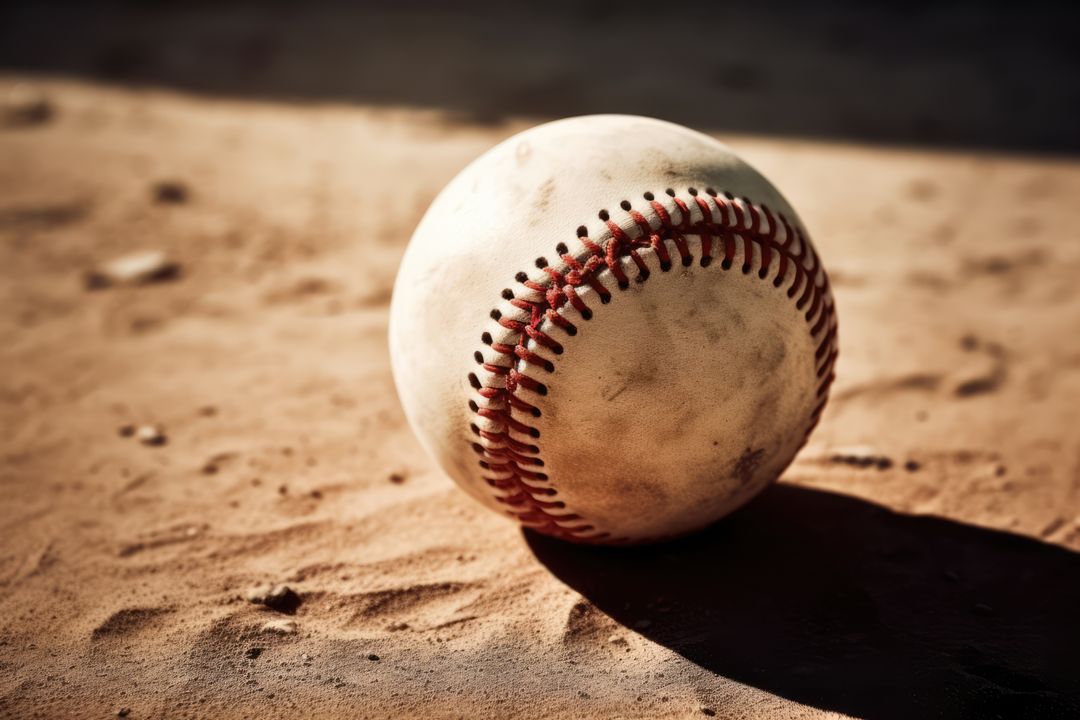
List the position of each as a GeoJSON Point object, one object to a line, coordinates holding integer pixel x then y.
{"type": "Point", "coordinates": [612, 329]}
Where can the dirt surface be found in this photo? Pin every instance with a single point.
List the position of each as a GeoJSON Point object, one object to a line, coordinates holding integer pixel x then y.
{"type": "Point", "coordinates": [174, 443]}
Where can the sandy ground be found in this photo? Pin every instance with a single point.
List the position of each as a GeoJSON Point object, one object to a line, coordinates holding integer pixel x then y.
{"type": "Point", "coordinates": [943, 581]}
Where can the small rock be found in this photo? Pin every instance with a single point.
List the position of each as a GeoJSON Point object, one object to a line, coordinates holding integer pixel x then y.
{"type": "Point", "coordinates": [213, 464]}
{"type": "Point", "coordinates": [977, 385]}
{"type": "Point", "coordinates": [253, 652]}
{"type": "Point", "coordinates": [987, 375]}
{"type": "Point", "coordinates": [151, 435]}
{"type": "Point", "coordinates": [25, 106]}
{"type": "Point", "coordinates": [141, 268]}
{"type": "Point", "coordinates": [171, 192]}
{"type": "Point", "coordinates": [281, 598]}
{"type": "Point", "coordinates": [123, 712]}
{"type": "Point", "coordinates": [861, 457]}
{"type": "Point", "coordinates": [912, 466]}
{"type": "Point", "coordinates": [125, 430]}
{"type": "Point", "coordinates": [280, 627]}
{"type": "Point", "coordinates": [1052, 527]}
{"type": "Point", "coordinates": [708, 711]}
{"type": "Point", "coordinates": [397, 478]}
{"type": "Point", "coordinates": [617, 640]}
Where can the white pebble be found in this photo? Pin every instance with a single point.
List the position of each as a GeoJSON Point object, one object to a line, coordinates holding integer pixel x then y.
{"type": "Point", "coordinates": [135, 269]}
{"type": "Point", "coordinates": [151, 435]}
{"type": "Point", "coordinates": [280, 627]}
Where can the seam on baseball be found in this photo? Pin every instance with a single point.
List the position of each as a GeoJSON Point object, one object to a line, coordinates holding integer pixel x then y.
{"type": "Point", "coordinates": [518, 350]}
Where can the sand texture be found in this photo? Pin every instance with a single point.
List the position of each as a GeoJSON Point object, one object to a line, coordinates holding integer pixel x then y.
{"type": "Point", "coordinates": [174, 441]}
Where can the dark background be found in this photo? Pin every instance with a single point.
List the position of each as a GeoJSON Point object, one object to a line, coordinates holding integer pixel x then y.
{"type": "Point", "coordinates": [971, 75]}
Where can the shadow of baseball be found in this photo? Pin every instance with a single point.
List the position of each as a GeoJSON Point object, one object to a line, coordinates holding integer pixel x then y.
{"type": "Point", "coordinates": [838, 603]}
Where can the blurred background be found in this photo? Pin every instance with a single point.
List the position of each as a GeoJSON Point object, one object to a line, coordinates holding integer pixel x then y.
{"type": "Point", "coordinates": [966, 74]}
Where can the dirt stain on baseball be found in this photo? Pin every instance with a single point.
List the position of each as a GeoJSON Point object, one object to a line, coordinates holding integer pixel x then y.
{"type": "Point", "coordinates": [543, 200]}
{"type": "Point", "coordinates": [747, 465]}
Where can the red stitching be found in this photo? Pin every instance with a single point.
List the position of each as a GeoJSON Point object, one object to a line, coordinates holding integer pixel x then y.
{"type": "Point", "coordinates": [512, 466]}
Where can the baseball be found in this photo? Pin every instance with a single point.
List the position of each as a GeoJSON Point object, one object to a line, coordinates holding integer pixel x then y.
{"type": "Point", "coordinates": [613, 330]}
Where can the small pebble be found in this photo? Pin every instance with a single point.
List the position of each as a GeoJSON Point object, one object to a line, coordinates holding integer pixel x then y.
{"type": "Point", "coordinates": [123, 712]}
{"type": "Point", "coordinates": [281, 598]}
{"type": "Point", "coordinates": [861, 457]}
{"type": "Point", "coordinates": [708, 711]}
{"type": "Point", "coordinates": [373, 657]}
{"type": "Point", "coordinates": [280, 627]}
{"type": "Point", "coordinates": [912, 466]}
{"type": "Point", "coordinates": [977, 385]}
{"type": "Point", "coordinates": [253, 652]}
{"type": "Point", "coordinates": [126, 430]}
{"type": "Point", "coordinates": [171, 192]}
{"type": "Point", "coordinates": [151, 435]}
{"type": "Point", "coordinates": [397, 478]}
{"type": "Point", "coordinates": [140, 268]}
{"type": "Point", "coordinates": [617, 640]}
{"type": "Point", "coordinates": [24, 106]}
